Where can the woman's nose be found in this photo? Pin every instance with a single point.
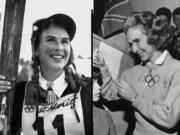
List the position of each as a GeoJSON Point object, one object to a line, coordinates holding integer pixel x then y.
{"type": "Point", "coordinates": [59, 43]}
{"type": "Point", "coordinates": [134, 48]}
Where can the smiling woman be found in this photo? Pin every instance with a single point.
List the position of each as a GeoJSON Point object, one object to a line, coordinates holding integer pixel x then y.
{"type": "Point", "coordinates": [152, 87]}
{"type": "Point", "coordinates": [55, 48]}
{"type": "Point", "coordinates": [82, 42]}
{"type": "Point", "coordinates": [54, 76]}
{"type": "Point", "coordinates": [54, 82]}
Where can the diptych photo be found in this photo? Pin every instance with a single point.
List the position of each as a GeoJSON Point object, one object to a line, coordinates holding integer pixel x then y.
{"type": "Point", "coordinates": [89, 67]}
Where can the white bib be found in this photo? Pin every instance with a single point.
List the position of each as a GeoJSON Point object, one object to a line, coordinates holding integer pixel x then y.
{"type": "Point", "coordinates": [62, 111]}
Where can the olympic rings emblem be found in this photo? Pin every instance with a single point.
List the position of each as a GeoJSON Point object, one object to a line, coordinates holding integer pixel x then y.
{"type": "Point", "coordinates": [29, 109]}
{"type": "Point", "coordinates": [149, 79]}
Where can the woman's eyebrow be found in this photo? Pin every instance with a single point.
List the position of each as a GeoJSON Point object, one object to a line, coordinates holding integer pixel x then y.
{"type": "Point", "coordinates": [50, 36]}
{"type": "Point", "coordinates": [136, 40]}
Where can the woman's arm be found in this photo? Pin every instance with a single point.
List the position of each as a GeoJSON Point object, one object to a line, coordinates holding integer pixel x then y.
{"type": "Point", "coordinates": [165, 113]}
{"type": "Point", "coordinates": [109, 89]}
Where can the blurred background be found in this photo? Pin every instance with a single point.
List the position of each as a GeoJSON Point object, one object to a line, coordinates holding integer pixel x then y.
{"type": "Point", "coordinates": [109, 14]}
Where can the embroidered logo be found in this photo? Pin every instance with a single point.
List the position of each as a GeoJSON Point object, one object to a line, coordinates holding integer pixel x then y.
{"type": "Point", "coordinates": [149, 79]}
{"type": "Point", "coordinates": [29, 108]}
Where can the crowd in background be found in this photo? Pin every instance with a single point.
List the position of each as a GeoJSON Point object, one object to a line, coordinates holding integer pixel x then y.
{"type": "Point", "coordinates": [174, 40]}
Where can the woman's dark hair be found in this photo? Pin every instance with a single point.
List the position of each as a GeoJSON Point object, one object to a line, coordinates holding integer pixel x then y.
{"type": "Point", "coordinates": [38, 27]}
{"type": "Point", "coordinates": [70, 76]}
{"type": "Point", "coordinates": [97, 75]}
{"type": "Point", "coordinates": [156, 30]}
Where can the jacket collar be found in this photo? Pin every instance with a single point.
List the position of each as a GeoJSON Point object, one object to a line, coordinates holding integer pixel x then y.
{"type": "Point", "coordinates": [165, 56]}
{"type": "Point", "coordinates": [59, 85]}
{"type": "Point", "coordinates": [160, 60]}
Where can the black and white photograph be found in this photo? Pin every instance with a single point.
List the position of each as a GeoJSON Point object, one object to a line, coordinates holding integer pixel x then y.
{"type": "Point", "coordinates": [45, 72]}
{"type": "Point", "coordinates": [89, 67]}
{"type": "Point", "coordinates": [136, 68]}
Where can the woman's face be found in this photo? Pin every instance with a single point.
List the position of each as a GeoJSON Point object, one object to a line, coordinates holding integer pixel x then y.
{"type": "Point", "coordinates": [54, 49]}
{"type": "Point", "coordinates": [137, 40]}
{"type": "Point", "coordinates": [96, 91]}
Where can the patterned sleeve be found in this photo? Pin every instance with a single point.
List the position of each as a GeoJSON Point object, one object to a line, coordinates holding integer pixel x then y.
{"type": "Point", "coordinates": [109, 89]}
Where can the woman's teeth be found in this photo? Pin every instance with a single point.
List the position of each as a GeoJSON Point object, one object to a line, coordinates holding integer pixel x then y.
{"type": "Point", "coordinates": [57, 57]}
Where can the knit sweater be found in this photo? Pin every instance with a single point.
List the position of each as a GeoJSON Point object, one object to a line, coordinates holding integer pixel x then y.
{"type": "Point", "coordinates": [157, 106]}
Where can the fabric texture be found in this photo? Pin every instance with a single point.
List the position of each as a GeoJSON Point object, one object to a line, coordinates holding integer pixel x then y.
{"type": "Point", "coordinates": [102, 122]}
{"type": "Point", "coordinates": [85, 100]}
{"type": "Point", "coordinates": [157, 104]}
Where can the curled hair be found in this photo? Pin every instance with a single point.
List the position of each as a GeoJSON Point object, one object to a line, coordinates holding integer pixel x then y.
{"type": "Point", "coordinates": [144, 18]}
{"type": "Point", "coordinates": [154, 27]}
{"type": "Point", "coordinates": [158, 25]}
{"type": "Point", "coordinates": [160, 32]}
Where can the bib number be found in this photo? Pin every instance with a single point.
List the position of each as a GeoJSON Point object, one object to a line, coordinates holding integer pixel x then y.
{"type": "Point", "coordinates": [58, 123]}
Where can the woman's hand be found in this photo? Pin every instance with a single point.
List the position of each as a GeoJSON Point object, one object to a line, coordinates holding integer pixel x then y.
{"type": "Point", "coordinates": [126, 91]}
{"type": "Point", "coordinates": [98, 59]}
{"type": "Point", "coordinates": [4, 84]}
